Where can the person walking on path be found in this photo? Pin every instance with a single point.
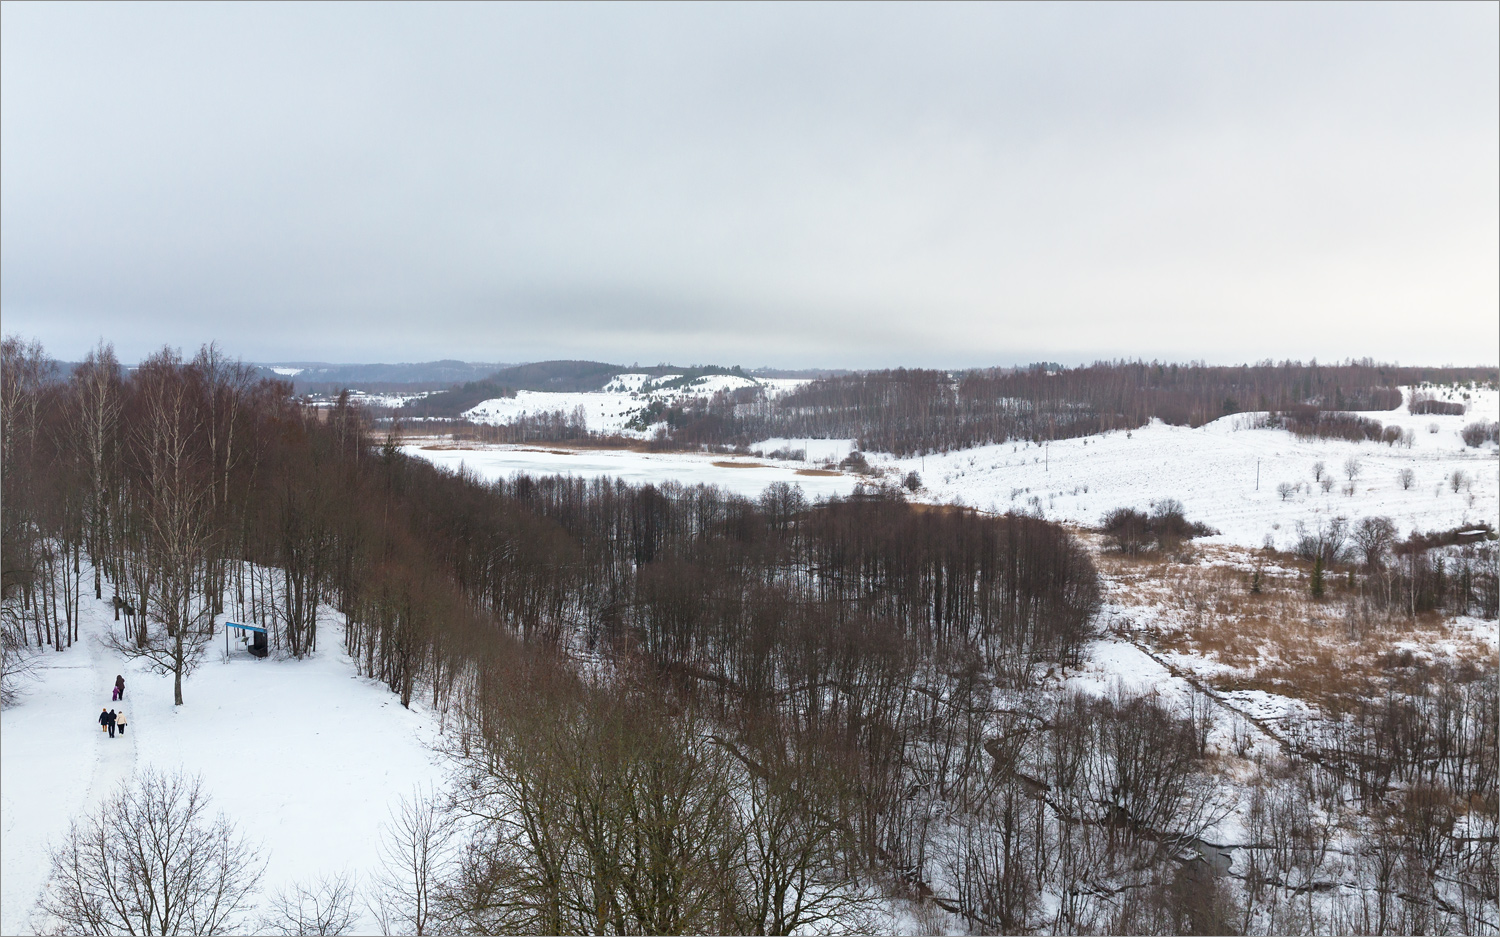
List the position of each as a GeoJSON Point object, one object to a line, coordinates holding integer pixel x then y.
{"type": "Point", "coordinates": [120, 721]}
{"type": "Point", "coordinates": [112, 718]}
{"type": "Point", "coordinates": [119, 686]}
{"type": "Point", "coordinates": [104, 719]}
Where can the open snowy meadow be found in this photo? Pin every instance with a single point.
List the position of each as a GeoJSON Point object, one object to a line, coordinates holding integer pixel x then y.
{"type": "Point", "coordinates": [1251, 483]}
{"type": "Point", "coordinates": [305, 757]}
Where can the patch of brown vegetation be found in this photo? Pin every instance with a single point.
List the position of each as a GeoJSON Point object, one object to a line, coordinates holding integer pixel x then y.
{"type": "Point", "coordinates": [818, 473]}
{"type": "Point", "coordinates": [922, 507]}
{"type": "Point", "coordinates": [741, 465]}
{"type": "Point", "coordinates": [1328, 653]}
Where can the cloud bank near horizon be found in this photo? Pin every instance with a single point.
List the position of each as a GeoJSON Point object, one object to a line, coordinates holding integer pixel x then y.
{"type": "Point", "coordinates": [833, 185]}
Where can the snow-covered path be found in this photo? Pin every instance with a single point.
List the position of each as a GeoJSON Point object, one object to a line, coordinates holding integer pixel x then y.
{"type": "Point", "coordinates": [55, 761]}
{"type": "Point", "coordinates": [114, 758]}
{"type": "Point", "coordinates": [305, 757]}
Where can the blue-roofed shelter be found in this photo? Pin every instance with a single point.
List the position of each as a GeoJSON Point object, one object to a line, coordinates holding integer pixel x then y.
{"type": "Point", "coordinates": [256, 634]}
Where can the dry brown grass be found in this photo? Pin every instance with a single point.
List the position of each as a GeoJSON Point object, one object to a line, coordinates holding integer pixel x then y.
{"type": "Point", "coordinates": [818, 473]}
{"type": "Point", "coordinates": [1280, 640]}
{"type": "Point", "coordinates": [741, 465]}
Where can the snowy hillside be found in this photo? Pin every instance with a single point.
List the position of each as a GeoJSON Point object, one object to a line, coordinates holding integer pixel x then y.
{"type": "Point", "coordinates": [608, 411]}
{"type": "Point", "coordinates": [1212, 470]}
{"type": "Point", "coordinates": [304, 756]}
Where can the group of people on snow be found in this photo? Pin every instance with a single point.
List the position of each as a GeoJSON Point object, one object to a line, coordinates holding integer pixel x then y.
{"type": "Point", "coordinates": [111, 720]}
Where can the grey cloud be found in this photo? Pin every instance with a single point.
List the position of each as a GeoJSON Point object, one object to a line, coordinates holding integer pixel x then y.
{"type": "Point", "coordinates": [837, 184]}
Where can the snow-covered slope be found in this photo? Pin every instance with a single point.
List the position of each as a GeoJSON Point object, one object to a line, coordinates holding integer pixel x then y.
{"type": "Point", "coordinates": [1212, 471]}
{"type": "Point", "coordinates": [305, 756]}
{"type": "Point", "coordinates": [609, 410]}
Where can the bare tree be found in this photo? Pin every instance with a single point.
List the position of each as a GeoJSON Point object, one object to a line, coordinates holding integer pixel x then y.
{"type": "Point", "coordinates": [1374, 537]}
{"type": "Point", "coordinates": [325, 909]}
{"type": "Point", "coordinates": [1319, 470]}
{"type": "Point", "coordinates": [415, 854]}
{"type": "Point", "coordinates": [1351, 468]}
{"type": "Point", "coordinates": [1285, 489]}
{"type": "Point", "coordinates": [96, 412]}
{"type": "Point", "coordinates": [1407, 478]}
{"type": "Point", "coordinates": [180, 523]}
{"type": "Point", "coordinates": [150, 860]}
{"type": "Point", "coordinates": [17, 660]}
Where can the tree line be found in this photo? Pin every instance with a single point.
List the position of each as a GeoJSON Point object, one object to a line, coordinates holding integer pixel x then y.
{"type": "Point", "coordinates": [676, 709]}
{"type": "Point", "coordinates": [913, 411]}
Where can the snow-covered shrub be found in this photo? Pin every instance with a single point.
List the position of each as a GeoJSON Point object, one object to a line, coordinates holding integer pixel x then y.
{"type": "Point", "coordinates": [1325, 543]}
{"type": "Point", "coordinates": [1132, 531]}
{"type": "Point", "coordinates": [856, 462]}
{"type": "Point", "coordinates": [1477, 434]}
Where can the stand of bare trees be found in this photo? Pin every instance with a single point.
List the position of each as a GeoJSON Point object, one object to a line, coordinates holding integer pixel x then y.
{"type": "Point", "coordinates": [785, 708]}
{"type": "Point", "coordinates": [914, 411]}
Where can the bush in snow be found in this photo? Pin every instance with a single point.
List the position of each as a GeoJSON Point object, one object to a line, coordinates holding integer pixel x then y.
{"type": "Point", "coordinates": [1165, 528]}
{"type": "Point", "coordinates": [855, 462]}
{"type": "Point", "coordinates": [1477, 434]}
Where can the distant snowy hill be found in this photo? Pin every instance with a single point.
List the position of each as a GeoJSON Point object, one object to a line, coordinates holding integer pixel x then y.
{"type": "Point", "coordinates": [1213, 470]}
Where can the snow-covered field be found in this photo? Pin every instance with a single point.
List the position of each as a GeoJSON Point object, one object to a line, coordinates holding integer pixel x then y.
{"type": "Point", "coordinates": [743, 476]}
{"type": "Point", "coordinates": [1212, 471]}
{"type": "Point", "coordinates": [304, 756]}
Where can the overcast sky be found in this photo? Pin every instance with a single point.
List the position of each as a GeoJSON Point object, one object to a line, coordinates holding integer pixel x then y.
{"type": "Point", "coordinates": [769, 184]}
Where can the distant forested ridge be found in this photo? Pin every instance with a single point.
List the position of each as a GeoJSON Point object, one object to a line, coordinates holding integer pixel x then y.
{"type": "Point", "coordinates": [908, 411]}
{"type": "Point", "coordinates": [559, 377]}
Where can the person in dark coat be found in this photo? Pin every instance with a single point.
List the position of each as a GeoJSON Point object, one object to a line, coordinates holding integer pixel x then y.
{"type": "Point", "coordinates": [104, 719]}
{"type": "Point", "coordinates": [112, 718]}
{"type": "Point", "coordinates": [119, 686]}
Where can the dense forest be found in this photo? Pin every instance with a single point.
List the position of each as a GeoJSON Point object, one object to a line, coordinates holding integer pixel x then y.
{"type": "Point", "coordinates": [681, 711]}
